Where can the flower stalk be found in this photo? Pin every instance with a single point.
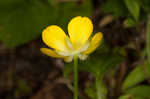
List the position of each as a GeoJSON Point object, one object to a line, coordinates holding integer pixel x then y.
{"type": "Point", "coordinates": [75, 76]}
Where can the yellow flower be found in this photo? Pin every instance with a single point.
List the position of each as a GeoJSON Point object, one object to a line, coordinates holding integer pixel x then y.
{"type": "Point", "coordinates": [77, 42]}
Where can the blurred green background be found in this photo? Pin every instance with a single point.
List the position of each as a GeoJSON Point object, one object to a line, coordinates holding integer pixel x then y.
{"type": "Point", "coordinates": [23, 20]}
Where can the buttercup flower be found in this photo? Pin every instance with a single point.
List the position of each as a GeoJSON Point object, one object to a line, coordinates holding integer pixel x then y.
{"type": "Point", "coordinates": [77, 42]}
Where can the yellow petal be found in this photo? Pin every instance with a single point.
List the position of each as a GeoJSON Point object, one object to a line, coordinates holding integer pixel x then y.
{"type": "Point", "coordinates": [95, 42]}
{"type": "Point", "coordinates": [80, 29]}
{"type": "Point", "coordinates": [50, 52]}
{"type": "Point", "coordinates": [55, 37]}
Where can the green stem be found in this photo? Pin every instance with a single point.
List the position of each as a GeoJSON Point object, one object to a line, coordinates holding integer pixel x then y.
{"type": "Point", "coordinates": [75, 77]}
{"type": "Point", "coordinates": [98, 88]}
{"type": "Point", "coordinates": [148, 39]}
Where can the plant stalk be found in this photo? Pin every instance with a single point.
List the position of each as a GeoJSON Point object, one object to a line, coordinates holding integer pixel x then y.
{"type": "Point", "coordinates": [75, 77]}
{"type": "Point", "coordinates": [98, 88]}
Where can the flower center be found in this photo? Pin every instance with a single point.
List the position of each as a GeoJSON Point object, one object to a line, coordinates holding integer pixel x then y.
{"type": "Point", "coordinates": [71, 50]}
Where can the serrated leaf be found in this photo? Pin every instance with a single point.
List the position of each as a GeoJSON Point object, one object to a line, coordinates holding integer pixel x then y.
{"type": "Point", "coordinates": [134, 8]}
{"type": "Point", "coordinates": [139, 91]}
{"type": "Point", "coordinates": [139, 74]}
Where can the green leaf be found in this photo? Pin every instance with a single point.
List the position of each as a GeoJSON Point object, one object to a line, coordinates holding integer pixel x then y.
{"type": "Point", "coordinates": [134, 8]}
{"type": "Point", "coordinates": [23, 22]}
{"type": "Point", "coordinates": [139, 91]}
{"type": "Point", "coordinates": [125, 97]}
{"type": "Point", "coordinates": [116, 7]}
{"type": "Point", "coordinates": [128, 96]}
{"type": "Point", "coordinates": [139, 74]}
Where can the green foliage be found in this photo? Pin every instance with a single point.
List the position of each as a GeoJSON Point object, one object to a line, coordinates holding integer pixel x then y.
{"type": "Point", "coordinates": [139, 74]}
{"type": "Point", "coordinates": [137, 92]}
{"type": "Point", "coordinates": [98, 66]}
{"type": "Point", "coordinates": [116, 7]}
{"type": "Point", "coordinates": [134, 8]}
{"type": "Point", "coordinates": [100, 88]}
{"type": "Point", "coordinates": [140, 91]}
{"type": "Point", "coordinates": [129, 9]}
{"type": "Point", "coordinates": [99, 62]}
{"type": "Point", "coordinates": [23, 20]}
{"type": "Point", "coordinates": [91, 92]}
{"type": "Point", "coordinates": [128, 96]}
